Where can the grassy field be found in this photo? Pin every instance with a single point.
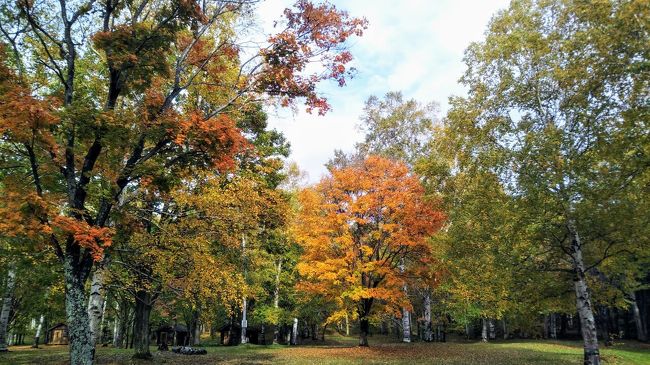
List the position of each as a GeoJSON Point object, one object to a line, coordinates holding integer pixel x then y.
{"type": "Point", "coordinates": [341, 350]}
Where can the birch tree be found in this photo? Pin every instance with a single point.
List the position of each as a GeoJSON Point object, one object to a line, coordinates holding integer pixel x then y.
{"type": "Point", "coordinates": [557, 108]}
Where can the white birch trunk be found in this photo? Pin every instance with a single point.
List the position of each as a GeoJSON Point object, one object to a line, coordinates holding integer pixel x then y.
{"type": "Point", "coordinates": [294, 332]}
{"type": "Point", "coordinates": [641, 334]}
{"type": "Point", "coordinates": [100, 336]}
{"type": "Point", "coordinates": [7, 301]}
{"type": "Point", "coordinates": [117, 329]}
{"type": "Point", "coordinates": [96, 303]}
{"type": "Point", "coordinates": [39, 330]}
{"type": "Point", "coordinates": [347, 324]}
{"type": "Point", "coordinates": [406, 315]}
{"type": "Point", "coordinates": [276, 291]}
{"type": "Point", "coordinates": [115, 325]}
{"type": "Point", "coordinates": [428, 329]}
{"type": "Point", "coordinates": [583, 300]}
{"type": "Point", "coordinates": [492, 327]}
{"type": "Point", "coordinates": [244, 322]}
{"type": "Point", "coordinates": [406, 325]}
{"type": "Point", "coordinates": [276, 297]}
{"type": "Point", "coordinates": [484, 331]}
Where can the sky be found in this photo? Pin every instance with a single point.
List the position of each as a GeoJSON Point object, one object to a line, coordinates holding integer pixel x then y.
{"type": "Point", "coordinates": [413, 46]}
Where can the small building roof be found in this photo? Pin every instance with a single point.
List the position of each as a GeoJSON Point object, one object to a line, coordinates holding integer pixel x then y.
{"type": "Point", "coordinates": [60, 324]}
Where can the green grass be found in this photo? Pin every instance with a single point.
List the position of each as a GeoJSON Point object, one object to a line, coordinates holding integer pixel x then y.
{"type": "Point", "coordinates": [342, 350]}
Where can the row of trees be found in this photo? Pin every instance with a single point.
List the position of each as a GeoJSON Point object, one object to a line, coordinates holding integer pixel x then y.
{"type": "Point", "coordinates": [541, 172]}
{"type": "Point", "coordinates": [135, 151]}
{"type": "Point", "coordinates": [139, 174]}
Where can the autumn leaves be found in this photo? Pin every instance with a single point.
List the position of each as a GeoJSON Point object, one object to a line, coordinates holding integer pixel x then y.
{"type": "Point", "coordinates": [364, 231]}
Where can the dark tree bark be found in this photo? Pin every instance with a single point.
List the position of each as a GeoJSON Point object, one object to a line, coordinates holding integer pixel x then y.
{"type": "Point", "coordinates": [143, 304]}
{"type": "Point", "coordinates": [364, 325]}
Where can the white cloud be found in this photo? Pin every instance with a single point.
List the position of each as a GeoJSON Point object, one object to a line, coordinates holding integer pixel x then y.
{"type": "Point", "coordinates": [415, 46]}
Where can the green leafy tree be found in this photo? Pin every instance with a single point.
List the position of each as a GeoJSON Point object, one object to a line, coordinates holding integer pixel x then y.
{"type": "Point", "coordinates": [558, 110]}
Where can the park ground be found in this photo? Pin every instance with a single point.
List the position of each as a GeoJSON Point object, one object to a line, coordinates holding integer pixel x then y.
{"type": "Point", "coordinates": [341, 350]}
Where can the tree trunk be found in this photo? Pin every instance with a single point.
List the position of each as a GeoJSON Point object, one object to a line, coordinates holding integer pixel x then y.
{"type": "Point", "coordinates": [428, 329]}
{"type": "Point", "coordinates": [294, 332]}
{"type": "Point", "coordinates": [96, 304]}
{"type": "Point", "coordinates": [244, 322]}
{"type": "Point", "coordinates": [583, 301]}
{"type": "Point", "coordinates": [140, 338]}
{"type": "Point", "coordinates": [641, 334]}
{"type": "Point", "coordinates": [39, 330]}
{"type": "Point", "coordinates": [406, 325]}
{"type": "Point", "coordinates": [364, 329]}
{"type": "Point", "coordinates": [553, 326]}
{"type": "Point", "coordinates": [364, 325]}
{"type": "Point", "coordinates": [121, 325]}
{"type": "Point", "coordinates": [196, 328]}
{"type": "Point", "coordinates": [492, 327]}
{"type": "Point", "coordinates": [607, 331]}
{"type": "Point", "coordinates": [505, 329]}
{"type": "Point", "coordinates": [406, 315]}
{"type": "Point", "coordinates": [484, 331]}
{"type": "Point", "coordinates": [82, 351]}
{"type": "Point", "coordinates": [7, 301]}
{"type": "Point", "coordinates": [100, 337]}
{"type": "Point", "coordinates": [547, 329]}
{"type": "Point", "coordinates": [276, 296]}
{"type": "Point", "coordinates": [314, 331]}
{"type": "Point", "coordinates": [347, 324]}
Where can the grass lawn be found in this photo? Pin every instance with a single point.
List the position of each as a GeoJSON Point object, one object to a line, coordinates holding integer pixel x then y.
{"type": "Point", "coordinates": [342, 350]}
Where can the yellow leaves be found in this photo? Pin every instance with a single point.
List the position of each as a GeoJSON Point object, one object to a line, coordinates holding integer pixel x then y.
{"type": "Point", "coordinates": [357, 225]}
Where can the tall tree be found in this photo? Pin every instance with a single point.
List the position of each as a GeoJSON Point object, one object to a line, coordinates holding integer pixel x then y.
{"type": "Point", "coordinates": [399, 129]}
{"type": "Point", "coordinates": [364, 230]}
{"type": "Point", "coordinates": [557, 109]}
{"type": "Point", "coordinates": [117, 89]}
{"type": "Point", "coordinates": [396, 128]}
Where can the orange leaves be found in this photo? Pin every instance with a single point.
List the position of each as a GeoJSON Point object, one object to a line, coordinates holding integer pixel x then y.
{"type": "Point", "coordinates": [323, 24]}
{"type": "Point", "coordinates": [359, 224]}
{"type": "Point", "coordinates": [90, 237]}
{"type": "Point", "coordinates": [26, 216]}
{"type": "Point", "coordinates": [190, 9]}
{"type": "Point", "coordinates": [217, 137]}
{"type": "Point", "coordinates": [313, 33]}
{"type": "Point", "coordinates": [22, 116]}
{"type": "Point", "coordinates": [20, 213]}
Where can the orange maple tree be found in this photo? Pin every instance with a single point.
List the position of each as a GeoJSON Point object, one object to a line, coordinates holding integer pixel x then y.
{"type": "Point", "coordinates": [364, 230]}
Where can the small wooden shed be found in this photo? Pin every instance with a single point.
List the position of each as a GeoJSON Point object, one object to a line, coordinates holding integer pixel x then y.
{"type": "Point", "coordinates": [261, 334]}
{"type": "Point", "coordinates": [230, 335]}
{"type": "Point", "coordinates": [57, 335]}
{"type": "Point", "coordinates": [174, 335]}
